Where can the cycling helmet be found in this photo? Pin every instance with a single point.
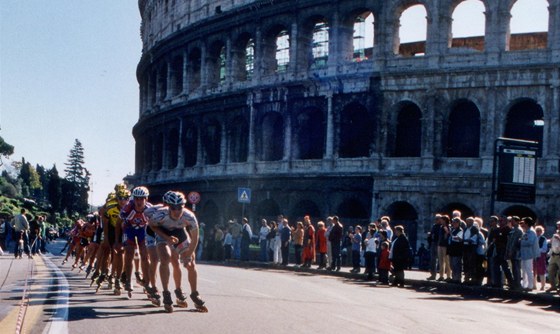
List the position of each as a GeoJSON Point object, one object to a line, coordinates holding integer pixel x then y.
{"type": "Point", "coordinates": [140, 192]}
{"type": "Point", "coordinates": [122, 193]}
{"type": "Point", "coordinates": [174, 198]}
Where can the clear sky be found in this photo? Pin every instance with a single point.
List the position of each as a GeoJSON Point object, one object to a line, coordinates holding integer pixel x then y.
{"type": "Point", "coordinates": [68, 70]}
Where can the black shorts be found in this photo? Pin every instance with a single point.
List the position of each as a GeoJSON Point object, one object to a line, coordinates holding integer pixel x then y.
{"type": "Point", "coordinates": [111, 234]}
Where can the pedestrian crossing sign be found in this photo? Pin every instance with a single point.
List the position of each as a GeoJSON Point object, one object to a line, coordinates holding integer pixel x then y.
{"type": "Point", "coordinates": [244, 195]}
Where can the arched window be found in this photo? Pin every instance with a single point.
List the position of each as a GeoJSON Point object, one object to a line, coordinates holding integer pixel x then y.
{"type": "Point", "coordinates": [212, 142]}
{"type": "Point", "coordinates": [411, 38]}
{"type": "Point", "coordinates": [190, 144]}
{"type": "Point", "coordinates": [238, 140]}
{"type": "Point", "coordinates": [222, 65]}
{"type": "Point", "coordinates": [177, 75]}
{"type": "Point", "coordinates": [463, 135]}
{"type": "Point", "coordinates": [320, 47]}
{"type": "Point", "coordinates": [272, 137]}
{"type": "Point", "coordinates": [363, 36]}
{"type": "Point", "coordinates": [282, 51]}
{"type": "Point", "coordinates": [468, 28]}
{"type": "Point", "coordinates": [525, 121]}
{"type": "Point", "coordinates": [408, 136]}
{"type": "Point", "coordinates": [172, 148]}
{"type": "Point", "coordinates": [356, 132]}
{"type": "Point", "coordinates": [310, 134]}
{"type": "Point", "coordinates": [250, 59]}
{"type": "Point", "coordinates": [194, 67]}
{"type": "Point", "coordinates": [528, 25]}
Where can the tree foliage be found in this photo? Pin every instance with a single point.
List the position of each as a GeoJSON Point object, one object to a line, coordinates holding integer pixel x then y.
{"type": "Point", "coordinates": [5, 149]}
{"type": "Point", "coordinates": [75, 189]}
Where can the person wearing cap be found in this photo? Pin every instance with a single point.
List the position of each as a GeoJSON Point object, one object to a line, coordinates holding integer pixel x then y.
{"type": "Point", "coordinates": [512, 252]}
{"type": "Point", "coordinates": [455, 249]}
{"type": "Point", "coordinates": [554, 260]}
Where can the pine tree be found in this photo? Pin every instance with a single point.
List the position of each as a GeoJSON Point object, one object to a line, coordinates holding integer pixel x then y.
{"type": "Point", "coordinates": [54, 190]}
{"type": "Point", "coordinates": [78, 178]}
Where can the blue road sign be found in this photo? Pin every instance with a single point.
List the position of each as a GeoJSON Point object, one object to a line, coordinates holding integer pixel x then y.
{"type": "Point", "coordinates": [244, 195]}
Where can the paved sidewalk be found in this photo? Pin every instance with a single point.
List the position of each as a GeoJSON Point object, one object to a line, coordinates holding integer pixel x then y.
{"type": "Point", "coordinates": [417, 280]}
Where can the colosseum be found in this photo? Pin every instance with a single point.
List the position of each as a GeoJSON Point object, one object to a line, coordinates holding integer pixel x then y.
{"type": "Point", "coordinates": [317, 108]}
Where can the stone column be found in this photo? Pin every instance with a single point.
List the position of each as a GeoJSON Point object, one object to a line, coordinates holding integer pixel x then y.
{"type": "Point", "coordinates": [335, 48]}
{"type": "Point", "coordinates": [224, 159]}
{"type": "Point", "coordinates": [251, 140]}
{"type": "Point", "coordinates": [170, 84]}
{"type": "Point", "coordinates": [329, 149]}
{"type": "Point", "coordinates": [554, 29]}
{"type": "Point", "coordinates": [185, 73]}
{"type": "Point", "coordinates": [199, 148]}
{"type": "Point", "coordinates": [180, 148]}
{"type": "Point", "coordinates": [288, 136]}
{"type": "Point", "coordinates": [229, 63]}
{"type": "Point", "coordinates": [258, 61]}
{"type": "Point", "coordinates": [293, 65]}
{"type": "Point", "coordinates": [203, 67]}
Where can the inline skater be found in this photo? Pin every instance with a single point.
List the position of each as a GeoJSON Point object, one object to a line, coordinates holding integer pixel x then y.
{"type": "Point", "coordinates": [112, 238]}
{"type": "Point", "coordinates": [134, 235]}
{"type": "Point", "coordinates": [177, 236]}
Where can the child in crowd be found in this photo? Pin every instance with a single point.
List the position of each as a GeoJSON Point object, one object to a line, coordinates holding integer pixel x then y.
{"type": "Point", "coordinates": [384, 264]}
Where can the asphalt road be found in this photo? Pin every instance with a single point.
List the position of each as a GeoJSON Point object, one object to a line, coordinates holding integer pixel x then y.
{"type": "Point", "coordinates": [257, 300]}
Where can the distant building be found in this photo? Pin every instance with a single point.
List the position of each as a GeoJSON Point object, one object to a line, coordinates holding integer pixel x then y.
{"type": "Point", "coordinates": [298, 102]}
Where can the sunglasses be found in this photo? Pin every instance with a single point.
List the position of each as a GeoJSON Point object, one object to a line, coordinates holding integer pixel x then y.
{"type": "Point", "coordinates": [122, 198]}
{"type": "Point", "coordinates": [176, 207]}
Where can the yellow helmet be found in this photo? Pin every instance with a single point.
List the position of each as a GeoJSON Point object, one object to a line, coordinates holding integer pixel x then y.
{"type": "Point", "coordinates": [121, 191]}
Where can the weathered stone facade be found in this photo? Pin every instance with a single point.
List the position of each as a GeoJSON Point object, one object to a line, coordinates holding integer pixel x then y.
{"type": "Point", "coordinates": [392, 133]}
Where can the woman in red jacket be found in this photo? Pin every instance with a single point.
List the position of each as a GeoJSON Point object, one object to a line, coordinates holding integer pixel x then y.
{"type": "Point", "coordinates": [322, 245]}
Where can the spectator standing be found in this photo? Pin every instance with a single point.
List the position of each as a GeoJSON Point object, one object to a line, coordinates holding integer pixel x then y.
{"type": "Point", "coordinates": [235, 229]}
{"type": "Point", "coordinates": [335, 237]}
{"type": "Point", "coordinates": [218, 242]}
{"type": "Point", "coordinates": [554, 261]}
{"type": "Point", "coordinates": [470, 242]}
{"type": "Point", "coordinates": [512, 252]}
{"type": "Point", "coordinates": [21, 232]}
{"type": "Point", "coordinates": [246, 237]}
{"type": "Point", "coordinates": [384, 263]}
{"type": "Point", "coordinates": [322, 245]}
{"type": "Point", "coordinates": [297, 238]}
{"type": "Point", "coordinates": [3, 233]}
{"type": "Point", "coordinates": [433, 242]}
{"type": "Point", "coordinates": [308, 242]}
{"type": "Point", "coordinates": [263, 240]}
{"type": "Point", "coordinates": [285, 237]}
{"type": "Point", "coordinates": [228, 245]}
{"type": "Point", "coordinates": [539, 266]}
{"type": "Point", "coordinates": [329, 226]}
{"type": "Point", "coordinates": [371, 243]}
{"type": "Point", "coordinates": [356, 248]}
{"type": "Point", "coordinates": [443, 258]}
{"type": "Point", "coordinates": [201, 240]}
{"type": "Point", "coordinates": [455, 249]}
{"type": "Point", "coordinates": [528, 251]}
{"type": "Point", "coordinates": [399, 255]}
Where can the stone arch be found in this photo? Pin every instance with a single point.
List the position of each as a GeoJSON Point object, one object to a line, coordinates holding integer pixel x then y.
{"type": "Point", "coordinates": [313, 42]}
{"type": "Point", "coordinates": [356, 131]}
{"type": "Point", "coordinates": [463, 130]}
{"type": "Point", "coordinates": [450, 207]}
{"type": "Point", "coordinates": [309, 134]}
{"type": "Point", "coordinates": [269, 48]}
{"type": "Point", "coordinates": [528, 26]}
{"type": "Point", "coordinates": [410, 29]}
{"type": "Point", "coordinates": [404, 213]}
{"type": "Point", "coordinates": [234, 211]}
{"type": "Point", "coordinates": [177, 75]}
{"type": "Point", "coordinates": [157, 152]}
{"type": "Point", "coordinates": [212, 137]}
{"type": "Point", "coordinates": [303, 208]}
{"type": "Point", "coordinates": [238, 139]}
{"type": "Point", "coordinates": [271, 137]}
{"type": "Point", "coordinates": [520, 121]}
{"type": "Point", "coordinates": [406, 130]}
{"type": "Point", "coordinates": [243, 57]}
{"type": "Point", "coordinates": [162, 81]}
{"type": "Point", "coordinates": [172, 148]}
{"type": "Point", "coordinates": [268, 209]}
{"type": "Point", "coordinates": [468, 25]}
{"type": "Point", "coordinates": [354, 209]}
{"type": "Point", "coordinates": [210, 214]}
{"type": "Point", "coordinates": [358, 35]}
{"type": "Point", "coordinates": [216, 63]}
{"type": "Point", "coordinates": [190, 143]}
{"type": "Point", "coordinates": [520, 211]}
{"type": "Point", "coordinates": [194, 68]}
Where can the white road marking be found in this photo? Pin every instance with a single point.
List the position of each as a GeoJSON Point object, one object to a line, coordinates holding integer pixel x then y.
{"type": "Point", "coordinates": [58, 323]}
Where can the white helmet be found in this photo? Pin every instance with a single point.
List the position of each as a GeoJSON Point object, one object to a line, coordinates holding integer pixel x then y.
{"type": "Point", "coordinates": [140, 192]}
{"type": "Point", "coordinates": [174, 198]}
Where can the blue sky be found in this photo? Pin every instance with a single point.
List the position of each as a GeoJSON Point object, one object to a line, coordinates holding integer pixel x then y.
{"type": "Point", "coordinates": [68, 70]}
